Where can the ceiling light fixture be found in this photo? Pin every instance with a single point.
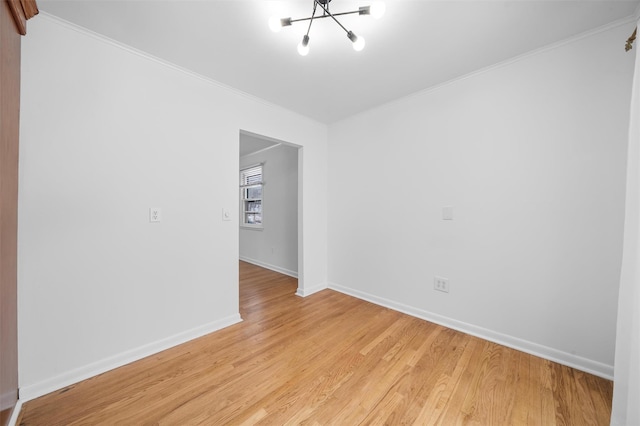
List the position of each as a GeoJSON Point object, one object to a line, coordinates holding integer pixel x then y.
{"type": "Point", "coordinates": [376, 10]}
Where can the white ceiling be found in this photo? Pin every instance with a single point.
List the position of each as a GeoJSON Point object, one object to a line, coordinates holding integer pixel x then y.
{"type": "Point", "coordinates": [250, 144]}
{"type": "Point", "coordinates": [416, 45]}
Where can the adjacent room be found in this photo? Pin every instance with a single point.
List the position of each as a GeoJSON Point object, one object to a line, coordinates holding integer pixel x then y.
{"type": "Point", "coordinates": [320, 212]}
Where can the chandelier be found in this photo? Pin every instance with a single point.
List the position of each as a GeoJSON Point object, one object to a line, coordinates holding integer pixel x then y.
{"type": "Point", "coordinates": [376, 10]}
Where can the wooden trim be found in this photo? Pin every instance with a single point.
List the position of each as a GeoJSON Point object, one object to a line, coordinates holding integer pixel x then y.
{"type": "Point", "coordinates": [18, 15]}
{"type": "Point", "coordinates": [629, 44]}
{"type": "Point", "coordinates": [22, 10]}
{"type": "Point", "coordinates": [30, 8]}
{"type": "Point", "coordinates": [10, 41]}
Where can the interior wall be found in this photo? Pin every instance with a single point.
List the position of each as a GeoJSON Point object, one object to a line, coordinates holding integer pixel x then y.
{"type": "Point", "coordinates": [108, 133]}
{"type": "Point", "coordinates": [531, 156]}
{"type": "Point", "coordinates": [275, 245]}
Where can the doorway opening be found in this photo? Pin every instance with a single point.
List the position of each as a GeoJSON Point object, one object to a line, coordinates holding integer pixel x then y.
{"type": "Point", "coordinates": [269, 200]}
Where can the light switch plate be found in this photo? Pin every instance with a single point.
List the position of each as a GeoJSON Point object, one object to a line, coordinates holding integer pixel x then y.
{"type": "Point", "coordinates": [226, 214]}
{"type": "Point", "coordinates": [447, 213]}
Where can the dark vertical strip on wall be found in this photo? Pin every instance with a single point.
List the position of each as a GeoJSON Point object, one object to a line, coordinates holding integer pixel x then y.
{"type": "Point", "coordinates": [9, 126]}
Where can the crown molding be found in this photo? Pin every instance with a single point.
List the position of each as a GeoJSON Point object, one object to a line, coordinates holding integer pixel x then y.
{"type": "Point", "coordinates": [137, 52]}
{"type": "Point", "coordinates": [553, 46]}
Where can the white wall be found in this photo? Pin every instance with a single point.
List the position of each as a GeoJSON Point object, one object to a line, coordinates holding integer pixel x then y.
{"type": "Point", "coordinates": [275, 245]}
{"type": "Point", "coordinates": [106, 134]}
{"type": "Point", "coordinates": [531, 155]}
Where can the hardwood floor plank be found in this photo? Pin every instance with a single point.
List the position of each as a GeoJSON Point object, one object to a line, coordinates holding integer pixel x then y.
{"type": "Point", "coordinates": [601, 398]}
{"type": "Point", "coordinates": [525, 402]}
{"type": "Point", "coordinates": [329, 359]}
{"type": "Point", "coordinates": [442, 392]}
{"type": "Point", "coordinates": [546, 395]}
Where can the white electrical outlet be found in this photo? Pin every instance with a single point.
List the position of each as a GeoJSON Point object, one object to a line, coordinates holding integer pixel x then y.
{"type": "Point", "coordinates": [155, 214]}
{"type": "Point", "coordinates": [441, 284]}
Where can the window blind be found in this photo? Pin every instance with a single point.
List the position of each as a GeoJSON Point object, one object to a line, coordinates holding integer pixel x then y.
{"type": "Point", "coordinates": [251, 176]}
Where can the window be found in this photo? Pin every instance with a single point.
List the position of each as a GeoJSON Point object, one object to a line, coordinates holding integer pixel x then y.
{"type": "Point", "coordinates": [251, 196]}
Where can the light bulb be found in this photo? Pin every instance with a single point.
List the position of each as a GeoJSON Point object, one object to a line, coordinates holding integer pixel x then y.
{"type": "Point", "coordinates": [303, 50]}
{"type": "Point", "coordinates": [358, 43]}
{"type": "Point", "coordinates": [275, 24]}
{"type": "Point", "coordinates": [377, 9]}
{"type": "Point", "coordinates": [303, 47]}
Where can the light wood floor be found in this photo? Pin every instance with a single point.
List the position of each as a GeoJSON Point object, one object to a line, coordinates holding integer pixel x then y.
{"type": "Point", "coordinates": [329, 359]}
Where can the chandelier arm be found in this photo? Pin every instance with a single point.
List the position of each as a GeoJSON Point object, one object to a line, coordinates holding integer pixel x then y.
{"type": "Point", "coordinates": [322, 16]}
{"type": "Point", "coordinates": [329, 13]}
{"type": "Point", "coordinates": [347, 13]}
{"type": "Point", "coordinates": [311, 20]}
{"type": "Point", "coordinates": [305, 19]}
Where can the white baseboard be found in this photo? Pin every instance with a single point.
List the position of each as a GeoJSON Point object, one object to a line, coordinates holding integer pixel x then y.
{"type": "Point", "coordinates": [13, 420]}
{"type": "Point", "coordinates": [44, 387]}
{"type": "Point", "coordinates": [570, 360]}
{"type": "Point", "coordinates": [265, 265]}
{"type": "Point", "coordinates": [307, 291]}
{"type": "Point", "coordinates": [302, 292]}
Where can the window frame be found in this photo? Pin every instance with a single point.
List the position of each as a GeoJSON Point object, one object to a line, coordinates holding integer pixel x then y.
{"type": "Point", "coordinates": [245, 185]}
